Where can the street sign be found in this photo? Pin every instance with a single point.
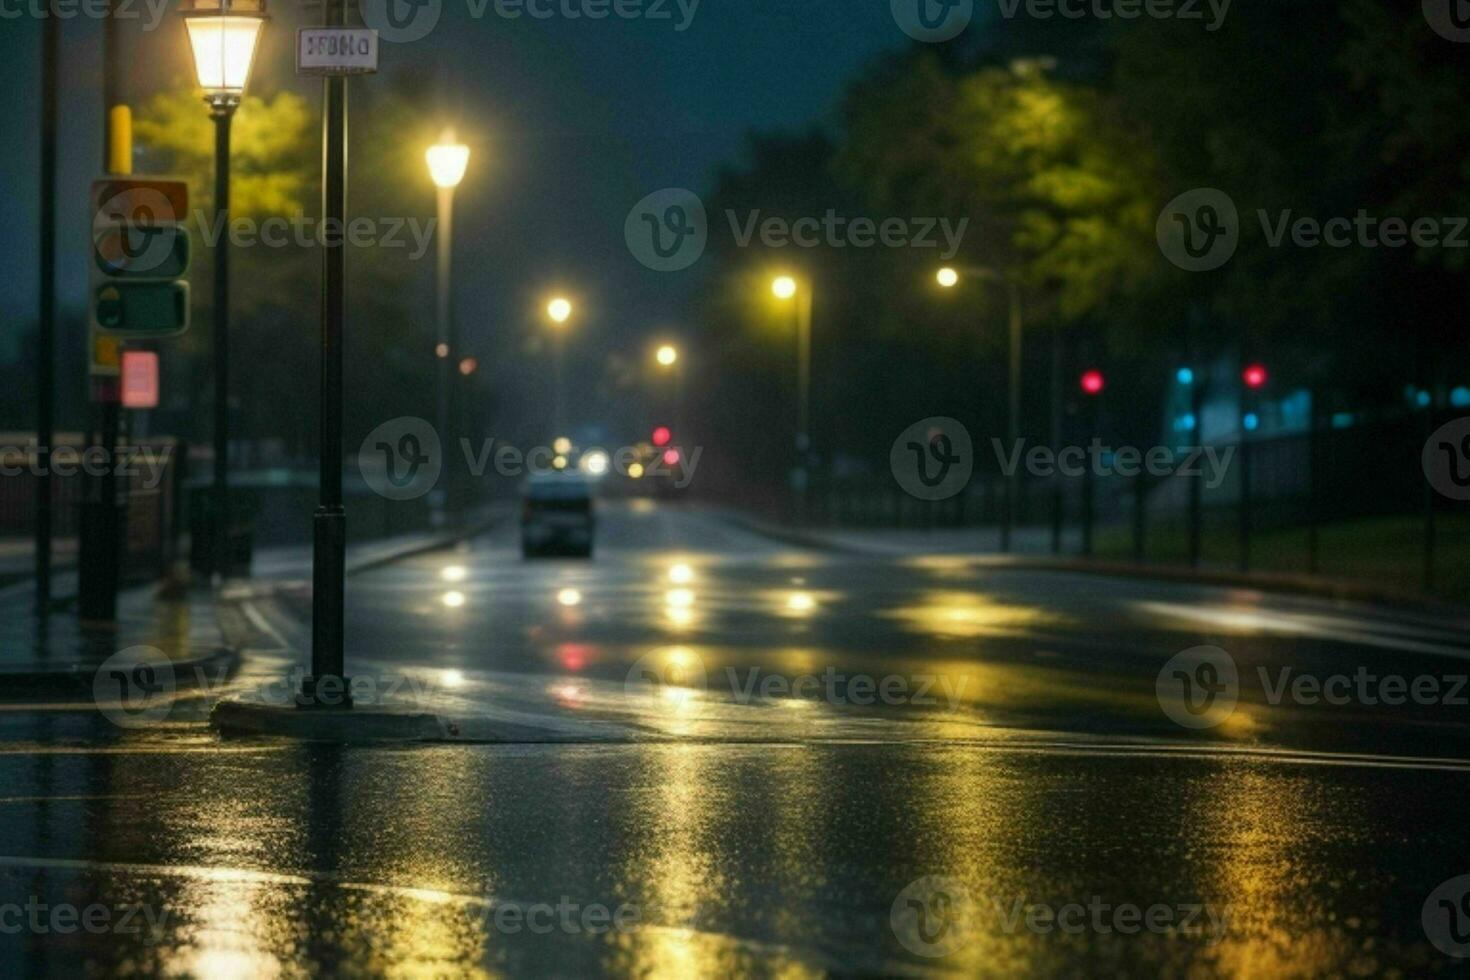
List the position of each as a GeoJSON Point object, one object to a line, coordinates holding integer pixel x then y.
{"type": "Point", "coordinates": [140, 254]}
{"type": "Point", "coordinates": [140, 379]}
{"type": "Point", "coordinates": [336, 51]}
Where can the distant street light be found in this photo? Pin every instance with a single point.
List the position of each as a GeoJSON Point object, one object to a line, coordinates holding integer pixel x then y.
{"type": "Point", "coordinates": [447, 162]}
{"type": "Point", "coordinates": [668, 358]}
{"type": "Point", "coordinates": [949, 277]}
{"type": "Point", "coordinates": [560, 311]}
{"type": "Point", "coordinates": [223, 35]}
{"type": "Point", "coordinates": [787, 288]}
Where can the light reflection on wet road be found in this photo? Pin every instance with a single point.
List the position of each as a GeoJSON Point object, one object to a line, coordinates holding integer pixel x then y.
{"type": "Point", "coordinates": [774, 836]}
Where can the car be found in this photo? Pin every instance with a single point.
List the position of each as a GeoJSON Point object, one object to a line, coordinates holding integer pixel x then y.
{"type": "Point", "coordinates": [557, 515]}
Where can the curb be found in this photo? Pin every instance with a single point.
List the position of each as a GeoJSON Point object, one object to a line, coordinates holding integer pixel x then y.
{"type": "Point", "coordinates": [445, 540]}
{"type": "Point", "coordinates": [77, 679]}
{"type": "Point", "coordinates": [1337, 590]}
{"type": "Point", "coordinates": [235, 718]}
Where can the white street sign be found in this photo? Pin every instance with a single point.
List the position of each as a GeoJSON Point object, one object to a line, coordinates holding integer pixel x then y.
{"type": "Point", "coordinates": [336, 51]}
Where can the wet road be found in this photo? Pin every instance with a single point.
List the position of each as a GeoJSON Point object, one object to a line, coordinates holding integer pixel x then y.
{"type": "Point", "coordinates": [759, 759]}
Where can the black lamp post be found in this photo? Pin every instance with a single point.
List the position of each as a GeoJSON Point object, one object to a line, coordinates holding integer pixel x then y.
{"type": "Point", "coordinates": [224, 35]}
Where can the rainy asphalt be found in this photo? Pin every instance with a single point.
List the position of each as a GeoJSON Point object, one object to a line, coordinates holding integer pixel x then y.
{"type": "Point", "coordinates": [709, 753]}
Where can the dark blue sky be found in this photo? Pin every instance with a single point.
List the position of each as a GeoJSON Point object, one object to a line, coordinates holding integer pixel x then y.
{"type": "Point", "coordinates": [573, 122]}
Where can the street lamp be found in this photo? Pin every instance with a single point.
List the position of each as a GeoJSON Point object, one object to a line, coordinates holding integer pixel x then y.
{"type": "Point", "coordinates": [223, 35]}
{"type": "Point", "coordinates": [447, 161]}
{"type": "Point", "coordinates": [667, 357]}
{"type": "Point", "coordinates": [786, 288]}
{"type": "Point", "coordinates": [560, 311]}
{"type": "Point", "coordinates": [950, 277]}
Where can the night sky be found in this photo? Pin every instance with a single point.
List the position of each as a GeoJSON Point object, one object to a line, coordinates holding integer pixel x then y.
{"type": "Point", "coordinates": [572, 122]}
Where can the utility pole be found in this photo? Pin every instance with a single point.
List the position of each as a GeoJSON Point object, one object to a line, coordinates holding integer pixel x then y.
{"type": "Point", "coordinates": [46, 328]}
{"type": "Point", "coordinates": [99, 561]}
{"type": "Point", "coordinates": [326, 686]}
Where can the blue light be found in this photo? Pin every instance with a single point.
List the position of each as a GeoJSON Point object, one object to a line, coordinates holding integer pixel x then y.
{"type": "Point", "coordinates": [1460, 397]}
{"type": "Point", "coordinates": [1185, 376]}
{"type": "Point", "coordinates": [1342, 420]}
{"type": "Point", "coordinates": [1252, 421]}
{"type": "Point", "coordinates": [1423, 399]}
{"type": "Point", "coordinates": [1185, 423]}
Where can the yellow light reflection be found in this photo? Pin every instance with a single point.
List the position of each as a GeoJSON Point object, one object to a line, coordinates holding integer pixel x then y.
{"type": "Point", "coordinates": [453, 599]}
{"type": "Point", "coordinates": [453, 573]}
{"type": "Point", "coordinates": [681, 574]}
{"type": "Point", "coordinates": [569, 597]}
{"type": "Point", "coordinates": [679, 598]}
{"type": "Point", "coordinates": [966, 615]}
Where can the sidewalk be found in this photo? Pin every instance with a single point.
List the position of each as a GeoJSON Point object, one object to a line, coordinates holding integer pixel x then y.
{"type": "Point", "coordinates": [1032, 551]}
{"type": "Point", "coordinates": [58, 657]}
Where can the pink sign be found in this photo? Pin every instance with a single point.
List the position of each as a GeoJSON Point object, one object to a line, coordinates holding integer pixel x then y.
{"type": "Point", "coordinates": [140, 379]}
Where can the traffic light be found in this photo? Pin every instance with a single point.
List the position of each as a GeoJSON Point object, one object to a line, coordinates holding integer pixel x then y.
{"type": "Point", "coordinates": [140, 254]}
{"type": "Point", "coordinates": [1093, 382]}
{"type": "Point", "coordinates": [662, 436]}
{"type": "Point", "coordinates": [1255, 376]}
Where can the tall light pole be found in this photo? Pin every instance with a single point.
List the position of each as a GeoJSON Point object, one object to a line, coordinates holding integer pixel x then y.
{"type": "Point", "coordinates": [224, 35]}
{"type": "Point", "coordinates": [789, 289]}
{"type": "Point", "coordinates": [667, 357]}
{"type": "Point", "coordinates": [559, 310]}
{"type": "Point", "coordinates": [447, 162]}
{"type": "Point", "coordinates": [949, 277]}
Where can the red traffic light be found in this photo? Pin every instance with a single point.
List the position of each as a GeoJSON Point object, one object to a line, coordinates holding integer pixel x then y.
{"type": "Point", "coordinates": [671, 457]}
{"type": "Point", "coordinates": [1093, 382]}
{"type": "Point", "coordinates": [662, 436]}
{"type": "Point", "coordinates": [1255, 376]}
